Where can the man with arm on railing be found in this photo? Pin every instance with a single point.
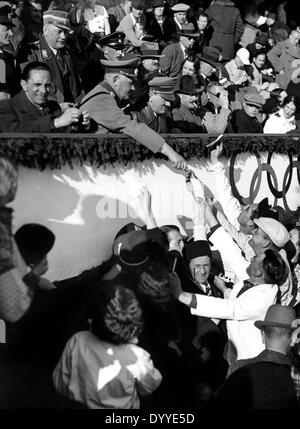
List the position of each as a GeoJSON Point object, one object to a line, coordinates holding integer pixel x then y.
{"type": "Point", "coordinates": [104, 104]}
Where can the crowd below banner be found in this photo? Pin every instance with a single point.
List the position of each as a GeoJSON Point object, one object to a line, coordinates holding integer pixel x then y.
{"type": "Point", "coordinates": [168, 321]}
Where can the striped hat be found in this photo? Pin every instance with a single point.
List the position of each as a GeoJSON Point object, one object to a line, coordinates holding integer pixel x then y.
{"type": "Point", "coordinates": [59, 18]}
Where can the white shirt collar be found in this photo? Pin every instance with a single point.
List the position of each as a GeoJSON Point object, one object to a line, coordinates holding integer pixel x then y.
{"type": "Point", "coordinates": [179, 25]}
{"type": "Point", "coordinates": [53, 50]}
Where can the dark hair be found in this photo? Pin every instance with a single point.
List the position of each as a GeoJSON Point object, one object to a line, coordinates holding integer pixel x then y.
{"type": "Point", "coordinates": [288, 99]}
{"type": "Point", "coordinates": [276, 92]}
{"type": "Point", "coordinates": [168, 228]}
{"type": "Point", "coordinates": [153, 282]}
{"type": "Point", "coordinates": [202, 14]}
{"type": "Point", "coordinates": [274, 267]}
{"type": "Point", "coordinates": [117, 316]}
{"type": "Point", "coordinates": [259, 52]}
{"type": "Point", "coordinates": [35, 65]}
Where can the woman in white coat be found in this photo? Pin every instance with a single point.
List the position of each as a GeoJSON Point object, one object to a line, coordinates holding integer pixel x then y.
{"type": "Point", "coordinates": [283, 121]}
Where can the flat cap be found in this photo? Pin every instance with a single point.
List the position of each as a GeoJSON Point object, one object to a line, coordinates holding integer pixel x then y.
{"type": "Point", "coordinates": [125, 67]}
{"type": "Point", "coordinates": [180, 7]}
{"type": "Point", "coordinates": [59, 18]}
{"type": "Point", "coordinates": [274, 229]}
{"type": "Point", "coordinates": [150, 51]}
{"type": "Point", "coordinates": [254, 99]}
{"type": "Point", "coordinates": [163, 86]}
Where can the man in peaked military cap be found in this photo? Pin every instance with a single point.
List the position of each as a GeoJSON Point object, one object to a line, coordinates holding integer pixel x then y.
{"type": "Point", "coordinates": [113, 45]}
{"type": "Point", "coordinates": [51, 50]}
{"type": "Point", "coordinates": [104, 105]}
{"type": "Point", "coordinates": [161, 93]}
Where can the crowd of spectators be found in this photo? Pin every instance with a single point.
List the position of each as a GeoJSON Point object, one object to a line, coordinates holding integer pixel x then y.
{"type": "Point", "coordinates": [243, 64]}
{"type": "Point", "coordinates": [169, 321]}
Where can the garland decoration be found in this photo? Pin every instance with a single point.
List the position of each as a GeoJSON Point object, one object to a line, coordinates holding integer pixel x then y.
{"type": "Point", "coordinates": [54, 151]}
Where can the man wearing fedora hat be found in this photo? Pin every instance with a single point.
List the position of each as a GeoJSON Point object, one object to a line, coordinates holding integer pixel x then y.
{"type": "Point", "coordinates": [264, 382]}
{"type": "Point", "coordinates": [175, 54]}
{"type": "Point", "coordinates": [188, 117]}
{"type": "Point", "coordinates": [9, 72]}
{"type": "Point", "coordinates": [51, 49]}
{"type": "Point", "coordinates": [148, 68]}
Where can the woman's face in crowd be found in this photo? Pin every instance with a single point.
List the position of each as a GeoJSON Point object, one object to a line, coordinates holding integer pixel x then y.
{"type": "Point", "coordinates": [5, 35]}
{"type": "Point", "coordinates": [259, 61]}
{"type": "Point", "coordinates": [289, 110]}
{"type": "Point", "coordinates": [159, 11]}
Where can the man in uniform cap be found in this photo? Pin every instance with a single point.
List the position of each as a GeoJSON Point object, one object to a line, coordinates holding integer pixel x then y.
{"type": "Point", "coordinates": [113, 45]}
{"type": "Point", "coordinates": [104, 105]}
{"type": "Point", "coordinates": [51, 49]}
{"type": "Point", "coordinates": [161, 93]}
{"type": "Point", "coordinates": [9, 72]}
{"type": "Point", "coordinates": [176, 53]}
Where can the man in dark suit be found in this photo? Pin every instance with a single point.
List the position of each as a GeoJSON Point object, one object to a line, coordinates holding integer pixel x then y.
{"type": "Point", "coordinates": [264, 382]}
{"type": "Point", "coordinates": [31, 111]}
{"type": "Point", "coordinates": [202, 337]}
{"type": "Point", "coordinates": [174, 55]}
{"type": "Point", "coordinates": [51, 50]}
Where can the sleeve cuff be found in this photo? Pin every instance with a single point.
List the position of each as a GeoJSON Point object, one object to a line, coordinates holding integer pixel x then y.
{"type": "Point", "coordinates": [213, 229]}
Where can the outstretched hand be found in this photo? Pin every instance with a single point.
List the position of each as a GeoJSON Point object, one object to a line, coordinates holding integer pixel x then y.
{"type": "Point", "coordinates": [216, 153]}
{"type": "Point", "coordinates": [145, 199]}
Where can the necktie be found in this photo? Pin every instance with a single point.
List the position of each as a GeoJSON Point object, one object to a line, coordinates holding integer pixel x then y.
{"type": "Point", "coordinates": [207, 288]}
{"type": "Point", "coordinates": [60, 61]}
{"type": "Point", "coordinates": [247, 285]}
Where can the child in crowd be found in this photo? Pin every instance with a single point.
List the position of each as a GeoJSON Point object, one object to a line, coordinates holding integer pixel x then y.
{"type": "Point", "coordinates": [105, 368]}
